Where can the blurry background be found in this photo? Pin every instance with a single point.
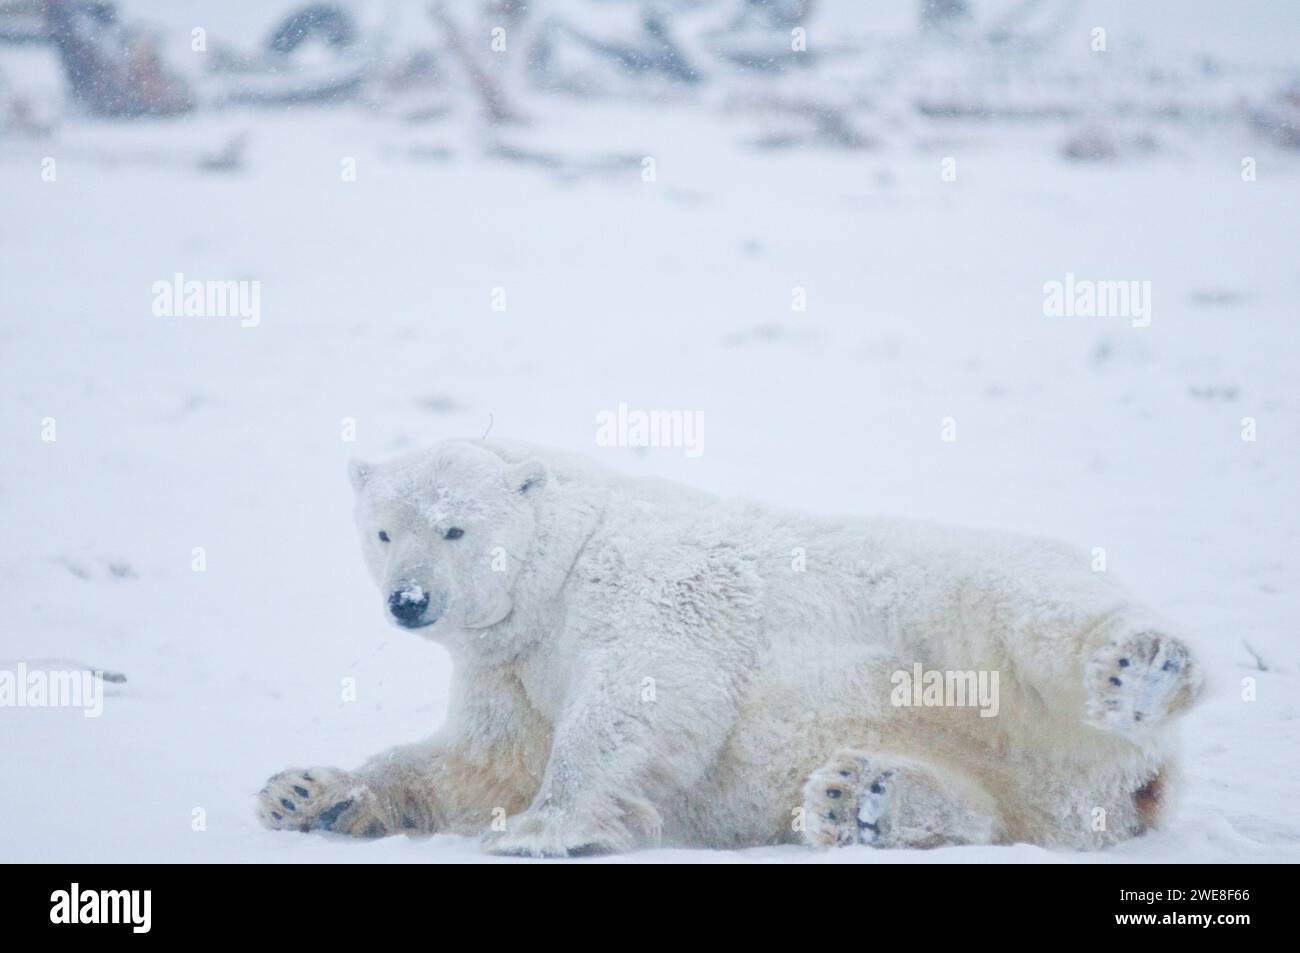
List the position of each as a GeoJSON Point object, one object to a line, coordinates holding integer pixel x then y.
{"type": "Point", "coordinates": [525, 214]}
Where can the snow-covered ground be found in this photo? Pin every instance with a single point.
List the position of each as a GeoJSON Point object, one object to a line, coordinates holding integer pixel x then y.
{"type": "Point", "coordinates": [924, 302]}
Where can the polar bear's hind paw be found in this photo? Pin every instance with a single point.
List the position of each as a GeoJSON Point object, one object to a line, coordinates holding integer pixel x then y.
{"type": "Point", "coordinates": [1137, 682]}
{"type": "Point", "coordinates": [888, 802]}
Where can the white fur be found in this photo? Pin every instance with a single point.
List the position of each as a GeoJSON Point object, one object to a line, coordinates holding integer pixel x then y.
{"type": "Point", "coordinates": [645, 665]}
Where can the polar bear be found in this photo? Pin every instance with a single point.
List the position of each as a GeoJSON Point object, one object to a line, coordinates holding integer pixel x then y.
{"type": "Point", "coordinates": [640, 663]}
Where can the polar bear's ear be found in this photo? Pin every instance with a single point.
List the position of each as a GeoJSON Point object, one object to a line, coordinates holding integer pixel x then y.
{"type": "Point", "coordinates": [360, 472]}
{"type": "Point", "coordinates": [527, 476]}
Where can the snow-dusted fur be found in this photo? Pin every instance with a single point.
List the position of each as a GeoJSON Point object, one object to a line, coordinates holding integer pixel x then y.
{"type": "Point", "coordinates": [637, 663]}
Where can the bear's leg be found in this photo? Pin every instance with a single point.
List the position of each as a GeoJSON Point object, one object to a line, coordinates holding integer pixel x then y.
{"type": "Point", "coordinates": [322, 799]}
{"type": "Point", "coordinates": [1136, 682]}
{"type": "Point", "coordinates": [883, 800]}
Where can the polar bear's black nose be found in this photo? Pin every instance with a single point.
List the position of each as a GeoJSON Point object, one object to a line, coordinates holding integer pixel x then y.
{"type": "Point", "coordinates": [407, 605]}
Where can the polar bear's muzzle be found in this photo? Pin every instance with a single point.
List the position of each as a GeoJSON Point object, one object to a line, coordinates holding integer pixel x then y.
{"type": "Point", "coordinates": [412, 608]}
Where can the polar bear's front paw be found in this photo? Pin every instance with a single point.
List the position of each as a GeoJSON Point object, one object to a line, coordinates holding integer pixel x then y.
{"type": "Point", "coordinates": [888, 802]}
{"type": "Point", "coordinates": [1137, 682]}
{"type": "Point", "coordinates": [556, 834]}
{"type": "Point", "coordinates": [324, 799]}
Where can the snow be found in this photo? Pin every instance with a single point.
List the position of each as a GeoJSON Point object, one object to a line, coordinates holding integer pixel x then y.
{"type": "Point", "coordinates": [925, 302]}
{"type": "Point", "coordinates": [411, 594]}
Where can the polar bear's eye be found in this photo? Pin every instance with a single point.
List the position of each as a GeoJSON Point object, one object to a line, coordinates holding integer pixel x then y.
{"type": "Point", "coordinates": [383, 536]}
{"type": "Point", "coordinates": [454, 533]}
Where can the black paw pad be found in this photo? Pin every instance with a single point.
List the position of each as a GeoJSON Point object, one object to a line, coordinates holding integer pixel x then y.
{"type": "Point", "coordinates": [587, 850]}
{"type": "Point", "coordinates": [299, 790]}
{"type": "Point", "coordinates": [287, 804]}
{"type": "Point", "coordinates": [330, 815]}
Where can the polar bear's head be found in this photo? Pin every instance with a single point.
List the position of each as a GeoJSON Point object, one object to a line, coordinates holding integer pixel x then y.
{"type": "Point", "coordinates": [444, 533]}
